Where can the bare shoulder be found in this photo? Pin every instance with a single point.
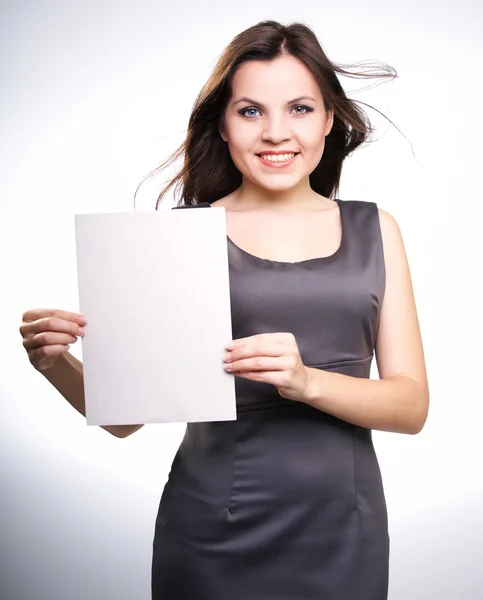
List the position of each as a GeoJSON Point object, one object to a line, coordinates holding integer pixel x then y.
{"type": "Point", "coordinates": [389, 225]}
{"type": "Point", "coordinates": [392, 239]}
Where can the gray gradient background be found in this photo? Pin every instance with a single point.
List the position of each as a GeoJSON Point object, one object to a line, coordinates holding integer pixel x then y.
{"type": "Point", "coordinates": [95, 94]}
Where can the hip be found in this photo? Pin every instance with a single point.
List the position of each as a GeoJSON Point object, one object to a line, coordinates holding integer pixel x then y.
{"type": "Point", "coordinates": [273, 458]}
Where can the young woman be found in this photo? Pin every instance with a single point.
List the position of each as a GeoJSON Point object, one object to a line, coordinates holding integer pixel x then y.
{"type": "Point", "coordinates": [286, 502]}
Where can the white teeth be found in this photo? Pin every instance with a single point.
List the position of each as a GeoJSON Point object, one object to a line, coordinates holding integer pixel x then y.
{"type": "Point", "coordinates": [278, 157]}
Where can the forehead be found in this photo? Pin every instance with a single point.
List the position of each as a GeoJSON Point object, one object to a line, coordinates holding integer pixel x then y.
{"type": "Point", "coordinates": [285, 74]}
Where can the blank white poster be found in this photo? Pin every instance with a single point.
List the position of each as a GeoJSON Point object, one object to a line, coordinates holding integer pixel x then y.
{"type": "Point", "coordinates": [155, 289]}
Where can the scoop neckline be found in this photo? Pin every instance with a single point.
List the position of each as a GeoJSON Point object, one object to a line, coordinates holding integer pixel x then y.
{"type": "Point", "coordinates": [316, 259]}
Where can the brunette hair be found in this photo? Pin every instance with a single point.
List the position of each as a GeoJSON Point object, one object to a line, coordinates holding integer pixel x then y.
{"type": "Point", "coordinates": [208, 172]}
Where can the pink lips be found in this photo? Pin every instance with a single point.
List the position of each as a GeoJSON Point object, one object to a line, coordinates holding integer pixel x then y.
{"type": "Point", "coordinates": [277, 165]}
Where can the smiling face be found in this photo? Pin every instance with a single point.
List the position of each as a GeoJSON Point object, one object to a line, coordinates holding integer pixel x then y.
{"type": "Point", "coordinates": [275, 123]}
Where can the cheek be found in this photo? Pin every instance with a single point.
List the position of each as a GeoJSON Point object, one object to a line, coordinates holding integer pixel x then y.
{"type": "Point", "coordinates": [241, 142]}
{"type": "Point", "coordinates": [311, 135]}
{"type": "Point", "coordinates": [313, 144]}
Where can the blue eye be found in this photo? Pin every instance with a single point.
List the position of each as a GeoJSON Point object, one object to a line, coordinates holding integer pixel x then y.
{"type": "Point", "coordinates": [306, 109]}
{"type": "Point", "coordinates": [250, 111]}
{"type": "Point", "coordinates": [244, 111]}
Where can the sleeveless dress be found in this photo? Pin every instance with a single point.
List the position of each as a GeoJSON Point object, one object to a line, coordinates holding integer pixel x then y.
{"type": "Point", "coordinates": [286, 502]}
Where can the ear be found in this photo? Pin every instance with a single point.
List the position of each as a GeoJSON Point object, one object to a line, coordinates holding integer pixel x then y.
{"type": "Point", "coordinates": [330, 122]}
{"type": "Point", "coordinates": [221, 131]}
{"type": "Point", "coordinates": [221, 127]}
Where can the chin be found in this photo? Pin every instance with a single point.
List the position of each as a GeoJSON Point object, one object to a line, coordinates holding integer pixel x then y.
{"type": "Point", "coordinates": [279, 184]}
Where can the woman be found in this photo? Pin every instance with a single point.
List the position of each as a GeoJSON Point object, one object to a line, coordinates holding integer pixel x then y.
{"type": "Point", "coordinates": [286, 502]}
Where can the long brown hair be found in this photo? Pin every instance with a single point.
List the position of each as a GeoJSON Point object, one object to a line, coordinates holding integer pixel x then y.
{"type": "Point", "coordinates": [208, 172]}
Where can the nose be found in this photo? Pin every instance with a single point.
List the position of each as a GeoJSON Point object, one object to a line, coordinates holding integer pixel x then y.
{"type": "Point", "coordinates": [276, 129]}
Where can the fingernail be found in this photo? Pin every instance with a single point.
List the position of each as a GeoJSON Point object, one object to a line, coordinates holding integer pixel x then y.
{"type": "Point", "coordinates": [230, 345]}
{"type": "Point", "coordinates": [82, 319]}
{"type": "Point", "coordinates": [80, 331]}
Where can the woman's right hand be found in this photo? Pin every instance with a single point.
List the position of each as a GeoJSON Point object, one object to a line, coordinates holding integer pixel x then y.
{"type": "Point", "coordinates": [46, 333]}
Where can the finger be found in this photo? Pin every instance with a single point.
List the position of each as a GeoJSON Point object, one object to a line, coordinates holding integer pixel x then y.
{"type": "Point", "coordinates": [252, 350]}
{"type": "Point", "coordinates": [260, 337]}
{"type": "Point", "coordinates": [269, 377]}
{"type": "Point", "coordinates": [51, 324]}
{"type": "Point", "coordinates": [38, 313]}
{"type": "Point", "coordinates": [259, 363]}
{"type": "Point", "coordinates": [276, 378]}
{"type": "Point", "coordinates": [49, 338]}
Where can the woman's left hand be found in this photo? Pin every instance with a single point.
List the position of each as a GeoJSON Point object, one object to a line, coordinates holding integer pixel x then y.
{"type": "Point", "coordinates": [272, 358]}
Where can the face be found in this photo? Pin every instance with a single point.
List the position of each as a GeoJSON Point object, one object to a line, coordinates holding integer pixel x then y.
{"type": "Point", "coordinates": [275, 123]}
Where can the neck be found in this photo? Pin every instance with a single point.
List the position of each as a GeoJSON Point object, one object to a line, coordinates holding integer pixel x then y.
{"type": "Point", "coordinates": [250, 196]}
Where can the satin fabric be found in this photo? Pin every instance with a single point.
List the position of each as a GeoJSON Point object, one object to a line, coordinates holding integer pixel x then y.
{"type": "Point", "coordinates": [286, 502]}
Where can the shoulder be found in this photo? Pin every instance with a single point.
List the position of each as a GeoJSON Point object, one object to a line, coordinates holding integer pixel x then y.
{"type": "Point", "coordinates": [390, 232]}
{"type": "Point", "coordinates": [369, 214]}
{"type": "Point", "coordinates": [393, 248]}
{"type": "Point", "coordinates": [387, 221]}
{"type": "Point", "coordinates": [365, 210]}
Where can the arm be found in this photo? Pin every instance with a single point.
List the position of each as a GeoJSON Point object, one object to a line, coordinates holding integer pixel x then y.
{"type": "Point", "coordinates": [399, 401]}
{"type": "Point", "coordinates": [67, 376]}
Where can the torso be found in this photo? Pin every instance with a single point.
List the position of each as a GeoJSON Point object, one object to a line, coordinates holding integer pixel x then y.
{"type": "Point", "coordinates": [286, 235]}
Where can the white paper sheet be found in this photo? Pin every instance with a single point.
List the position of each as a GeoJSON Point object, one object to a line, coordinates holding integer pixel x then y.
{"type": "Point", "coordinates": [155, 288]}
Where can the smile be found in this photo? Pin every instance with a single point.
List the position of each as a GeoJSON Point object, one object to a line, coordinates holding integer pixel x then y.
{"type": "Point", "coordinates": [278, 160]}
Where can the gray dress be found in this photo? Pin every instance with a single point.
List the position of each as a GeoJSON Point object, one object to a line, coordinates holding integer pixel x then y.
{"type": "Point", "coordinates": [286, 502]}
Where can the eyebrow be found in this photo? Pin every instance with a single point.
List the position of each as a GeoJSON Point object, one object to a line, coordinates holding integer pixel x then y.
{"type": "Point", "coordinates": [250, 101]}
